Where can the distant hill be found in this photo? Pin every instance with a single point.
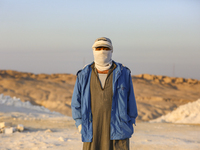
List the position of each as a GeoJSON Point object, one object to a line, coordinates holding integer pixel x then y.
{"type": "Point", "coordinates": [155, 95]}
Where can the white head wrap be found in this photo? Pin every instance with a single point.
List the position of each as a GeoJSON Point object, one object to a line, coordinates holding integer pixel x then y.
{"type": "Point", "coordinates": [102, 58]}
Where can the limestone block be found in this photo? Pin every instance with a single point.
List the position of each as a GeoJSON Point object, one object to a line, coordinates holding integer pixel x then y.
{"type": "Point", "coordinates": [139, 76]}
{"type": "Point", "coordinates": [167, 80]}
{"type": "Point", "coordinates": [148, 76]}
{"type": "Point", "coordinates": [5, 124]}
{"type": "Point", "coordinates": [179, 80]}
{"type": "Point", "coordinates": [9, 130]}
{"type": "Point", "coordinates": [192, 81]}
{"type": "Point", "coordinates": [157, 80]}
{"type": "Point", "coordinates": [160, 77]}
{"type": "Point", "coordinates": [42, 76]}
{"type": "Point", "coordinates": [48, 130]}
{"type": "Point", "coordinates": [20, 127]}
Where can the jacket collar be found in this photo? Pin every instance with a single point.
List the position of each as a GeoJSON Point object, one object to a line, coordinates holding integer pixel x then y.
{"type": "Point", "coordinates": [117, 72]}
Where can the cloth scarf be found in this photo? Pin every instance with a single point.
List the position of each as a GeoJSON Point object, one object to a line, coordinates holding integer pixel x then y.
{"type": "Point", "coordinates": [102, 58]}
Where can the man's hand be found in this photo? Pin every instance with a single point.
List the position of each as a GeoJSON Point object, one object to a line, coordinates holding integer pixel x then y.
{"type": "Point", "coordinates": [79, 128]}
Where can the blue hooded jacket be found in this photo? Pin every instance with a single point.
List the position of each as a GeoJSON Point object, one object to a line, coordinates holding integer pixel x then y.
{"type": "Point", "coordinates": [124, 109]}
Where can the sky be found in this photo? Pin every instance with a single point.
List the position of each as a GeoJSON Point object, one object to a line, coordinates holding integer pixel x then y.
{"type": "Point", "coordinates": [56, 36]}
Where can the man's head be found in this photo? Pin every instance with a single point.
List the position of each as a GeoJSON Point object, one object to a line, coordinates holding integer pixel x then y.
{"type": "Point", "coordinates": [102, 51]}
{"type": "Point", "coordinates": [102, 43]}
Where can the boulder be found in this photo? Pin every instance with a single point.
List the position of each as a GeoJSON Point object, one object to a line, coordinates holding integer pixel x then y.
{"type": "Point", "coordinates": [179, 80]}
{"type": "Point", "coordinates": [157, 80]}
{"type": "Point", "coordinates": [20, 127]}
{"type": "Point", "coordinates": [5, 124]}
{"type": "Point", "coordinates": [192, 81]}
{"type": "Point", "coordinates": [160, 77]}
{"type": "Point", "coordinates": [148, 77]}
{"type": "Point", "coordinates": [139, 76]}
{"type": "Point", "coordinates": [42, 76]}
{"type": "Point", "coordinates": [167, 80]}
{"type": "Point", "coordinates": [9, 130]}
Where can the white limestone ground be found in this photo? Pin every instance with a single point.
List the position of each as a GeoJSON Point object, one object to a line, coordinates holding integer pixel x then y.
{"type": "Point", "coordinates": [15, 108]}
{"type": "Point", "coordinates": [147, 136]}
{"type": "Point", "coordinates": [188, 113]}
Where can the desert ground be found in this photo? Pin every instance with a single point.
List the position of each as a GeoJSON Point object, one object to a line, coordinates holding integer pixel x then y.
{"type": "Point", "coordinates": [47, 130]}
{"type": "Point", "coordinates": [156, 97]}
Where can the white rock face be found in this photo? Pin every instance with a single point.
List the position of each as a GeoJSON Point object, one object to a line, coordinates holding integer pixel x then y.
{"type": "Point", "coordinates": [188, 113]}
{"type": "Point", "coordinates": [15, 108]}
{"type": "Point", "coordinates": [9, 130]}
{"type": "Point", "coordinates": [7, 100]}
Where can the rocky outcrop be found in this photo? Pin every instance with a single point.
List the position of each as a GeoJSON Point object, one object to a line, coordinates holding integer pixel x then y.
{"type": "Point", "coordinates": [68, 78]}
{"type": "Point", "coordinates": [155, 94]}
{"type": "Point", "coordinates": [52, 91]}
{"type": "Point", "coordinates": [166, 79]}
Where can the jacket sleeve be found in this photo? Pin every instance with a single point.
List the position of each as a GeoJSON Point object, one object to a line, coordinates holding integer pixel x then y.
{"type": "Point", "coordinates": [76, 103]}
{"type": "Point", "coordinates": [132, 107]}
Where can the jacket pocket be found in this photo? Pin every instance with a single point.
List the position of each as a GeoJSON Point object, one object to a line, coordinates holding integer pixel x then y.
{"type": "Point", "coordinates": [122, 89]}
{"type": "Point", "coordinates": [126, 128]}
{"type": "Point", "coordinates": [125, 125]}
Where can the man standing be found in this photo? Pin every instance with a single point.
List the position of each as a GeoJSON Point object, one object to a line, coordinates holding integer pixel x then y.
{"type": "Point", "coordinates": [103, 102]}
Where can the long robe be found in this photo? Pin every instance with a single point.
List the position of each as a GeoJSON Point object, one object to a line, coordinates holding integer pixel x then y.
{"type": "Point", "coordinates": [101, 104]}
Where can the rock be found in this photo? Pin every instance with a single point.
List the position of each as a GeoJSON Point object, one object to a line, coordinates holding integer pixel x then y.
{"type": "Point", "coordinates": [24, 75]}
{"type": "Point", "coordinates": [156, 98]}
{"type": "Point", "coordinates": [167, 80]}
{"type": "Point", "coordinates": [42, 76]}
{"type": "Point", "coordinates": [10, 72]}
{"type": "Point", "coordinates": [2, 130]}
{"type": "Point", "coordinates": [9, 130]}
{"type": "Point", "coordinates": [139, 76]}
{"type": "Point", "coordinates": [61, 139]}
{"type": "Point", "coordinates": [148, 77]}
{"type": "Point", "coordinates": [179, 80]}
{"type": "Point", "coordinates": [20, 127]}
{"type": "Point", "coordinates": [48, 130]}
{"type": "Point", "coordinates": [5, 124]}
{"type": "Point", "coordinates": [157, 80]}
{"type": "Point", "coordinates": [33, 76]}
{"type": "Point", "coordinates": [160, 77]}
{"type": "Point", "coordinates": [192, 81]}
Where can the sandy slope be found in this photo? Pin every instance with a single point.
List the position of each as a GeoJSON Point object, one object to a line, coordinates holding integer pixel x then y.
{"type": "Point", "coordinates": [155, 95]}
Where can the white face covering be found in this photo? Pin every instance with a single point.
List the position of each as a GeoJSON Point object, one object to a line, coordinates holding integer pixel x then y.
{"type": "Point", "coordinates": [102, 59]}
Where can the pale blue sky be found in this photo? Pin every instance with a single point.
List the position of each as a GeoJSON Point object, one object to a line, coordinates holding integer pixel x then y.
{"type": "Point", "coordinates": [56, 36]}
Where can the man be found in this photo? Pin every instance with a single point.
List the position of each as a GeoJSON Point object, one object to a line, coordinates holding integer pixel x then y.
{"type": "Point", "coordinates": [103, 102]}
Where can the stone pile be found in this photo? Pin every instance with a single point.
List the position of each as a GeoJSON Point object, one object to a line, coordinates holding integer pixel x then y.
{"type": "Point", "coordinates": [166, 79]}
{"type": "Point", "coordinates": [8, 128]}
